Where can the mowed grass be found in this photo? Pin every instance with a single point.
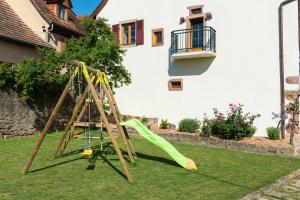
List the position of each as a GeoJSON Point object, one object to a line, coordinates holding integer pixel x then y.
{"type": "Point", "coordinates": [222, 173]}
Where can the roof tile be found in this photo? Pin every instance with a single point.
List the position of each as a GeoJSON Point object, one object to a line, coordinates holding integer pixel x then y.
{"type": "Point", "coordinates": [13, 28]}
{"type": "Point", "coordinates": [50, 17]}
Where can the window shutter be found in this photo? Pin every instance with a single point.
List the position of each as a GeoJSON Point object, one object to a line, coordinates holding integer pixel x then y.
{"type": "Point", "coordinates": [140, 32]}
{"type": "Point", "coordinates": [116, 31]}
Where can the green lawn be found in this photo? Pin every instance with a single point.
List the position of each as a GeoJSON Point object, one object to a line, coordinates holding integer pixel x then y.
{"type": "Point", "coordinates": [222, 174]}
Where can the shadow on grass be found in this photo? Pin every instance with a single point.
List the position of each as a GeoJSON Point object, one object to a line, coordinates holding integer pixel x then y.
{"type": "Point", "coordinates": [157, 159]}
{"type": "Point", "coordinates": [98, 154]}
{"type": "Point", "coordinates": [55, 165]}
{"type": "Point", "coordinates": [71, 153]}
{"type": "Point", "coordinates": [227, 182]}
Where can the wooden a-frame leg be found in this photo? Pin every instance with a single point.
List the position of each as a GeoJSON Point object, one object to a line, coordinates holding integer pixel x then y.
{"type": "Point", "coordinates": [46, 128]}
{"type": "Point", "coordinates": [127, 138]}
{"type": "Point", "coordinates": [109, 130]}
{"type": "Point", "coordinates": [67, 129]}
{"type": "Point", "coordinates": [120, 128]}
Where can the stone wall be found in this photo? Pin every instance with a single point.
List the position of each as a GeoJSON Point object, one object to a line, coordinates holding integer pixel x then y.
{"type": "Point", "coordinates": [18, 118]}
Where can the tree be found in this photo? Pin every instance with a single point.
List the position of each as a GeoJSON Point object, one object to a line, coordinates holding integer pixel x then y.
{"type": "Point", "coordinates": [97, 48]}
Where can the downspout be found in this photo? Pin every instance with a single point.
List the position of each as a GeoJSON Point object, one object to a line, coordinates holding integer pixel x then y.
{"type": "Point", "coordinates": [281, 62]}
{"type": "Point", "coordinates": [49, 31]}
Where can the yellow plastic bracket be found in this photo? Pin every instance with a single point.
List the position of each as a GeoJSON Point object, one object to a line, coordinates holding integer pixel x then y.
{"type": "Point", "coordinates": [85, 71]}
{"type": "Point", "coordinates": [105, 79]}
{"type": "Point", "coordinates": [100, 78]}
{"type": "Point", "coordinates": [75, 72]}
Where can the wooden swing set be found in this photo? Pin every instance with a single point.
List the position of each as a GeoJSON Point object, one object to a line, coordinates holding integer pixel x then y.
{"type": "Point", "coordinates": [97, 90]}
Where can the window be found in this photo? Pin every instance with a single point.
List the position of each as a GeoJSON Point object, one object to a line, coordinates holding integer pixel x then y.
{"type": "Point", "coordinates": [175, 85]}
{"type": "Point", "coordinates": [128, 34]}
{"type": "Point", "coordinates": [61, 12]}
{"type": "Point", "coordinates": [157, 37]}
{"type": "Point", "coordinates": [197, 35]}
{"type": "Point", "coordinates": [196, 11]}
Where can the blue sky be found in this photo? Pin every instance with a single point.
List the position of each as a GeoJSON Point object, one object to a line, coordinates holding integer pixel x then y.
{"type": "Point", "coordinates": [85, 7]}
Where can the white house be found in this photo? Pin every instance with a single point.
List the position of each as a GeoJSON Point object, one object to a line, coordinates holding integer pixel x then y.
{"type": "Point", "coordinates": [189, 56]}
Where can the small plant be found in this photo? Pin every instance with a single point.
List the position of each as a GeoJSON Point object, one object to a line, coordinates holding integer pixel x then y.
{"type": "Point", "coordinates": [144, 120]}
{"type": "Point", "coordinates": [189, 125]}
{"type": "Point", "coordinates": [273, 133]}
{"type": "Point", "coordinates": [206, 126]}
{"type": "Point", "coordinates": [164, 124]}
{"type": "Point", "coordinates": [235, 124]}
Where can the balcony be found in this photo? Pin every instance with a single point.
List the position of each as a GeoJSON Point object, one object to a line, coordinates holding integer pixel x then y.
{"type": "Point", "coordinates": [193, 43]}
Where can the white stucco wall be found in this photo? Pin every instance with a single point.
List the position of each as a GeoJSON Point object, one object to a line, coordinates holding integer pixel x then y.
{"type": "Point", "coordinates": [12, 53]}
{"type": "Point", "coordinates": [246, 69]}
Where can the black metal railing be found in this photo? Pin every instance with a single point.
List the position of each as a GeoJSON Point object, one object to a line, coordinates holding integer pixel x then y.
{"type": "Point", "coordinates": [186, 40]}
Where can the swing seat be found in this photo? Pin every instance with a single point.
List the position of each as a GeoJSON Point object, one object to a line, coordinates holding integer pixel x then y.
{"type": "Point", "coordinates": [87, 153]}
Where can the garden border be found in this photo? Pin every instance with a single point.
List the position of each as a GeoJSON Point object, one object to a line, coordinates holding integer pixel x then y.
{"type": "Point", "coordinates": [265, 190]}
{"type": "Point", "coordinates": [196, 139]}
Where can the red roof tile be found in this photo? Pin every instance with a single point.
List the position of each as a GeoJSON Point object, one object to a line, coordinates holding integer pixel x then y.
{"type": "Point", "coordinates": [12, 28]}
{"type": "Point", "coordinates": [50, 17]}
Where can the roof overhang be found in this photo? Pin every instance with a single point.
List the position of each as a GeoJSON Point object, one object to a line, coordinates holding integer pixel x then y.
{"type": "Point", "coordinates": [60, 30]}
{"type": "Point", "coordinates": [23, 42]}
{"type": "Point", "coordinates": [99, 8]}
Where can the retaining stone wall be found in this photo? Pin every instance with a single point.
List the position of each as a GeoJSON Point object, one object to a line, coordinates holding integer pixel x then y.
{"type": "Point", "coordinates": [18, 118]}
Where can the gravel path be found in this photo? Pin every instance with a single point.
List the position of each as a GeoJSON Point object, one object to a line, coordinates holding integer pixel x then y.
{"type": "Point", "coordinates": [285, 188]}
{"type": "Point", "coordinates": [289, 190]}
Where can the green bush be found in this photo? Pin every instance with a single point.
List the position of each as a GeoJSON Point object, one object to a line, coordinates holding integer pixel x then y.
{"type": "Point", "coordinates": [144, 120]}
{"type": "Point", "coordinates": [273, 133]}
{"type": "Point", "coordinates": [7, 76]}
{"type": "Point", "coordinates": [189, 125]}
{"type": "Point", "coordinates": [164, 124]}
{"type": "Point", "coordinates": [232, 125]}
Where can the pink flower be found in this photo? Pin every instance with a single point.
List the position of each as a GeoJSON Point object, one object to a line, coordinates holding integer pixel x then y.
{"type": "Point", "coordinates": [231, 104]}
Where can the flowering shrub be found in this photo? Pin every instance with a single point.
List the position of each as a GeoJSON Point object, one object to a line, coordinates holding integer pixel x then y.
{"type": "Point", "coordinates": [235, 124]}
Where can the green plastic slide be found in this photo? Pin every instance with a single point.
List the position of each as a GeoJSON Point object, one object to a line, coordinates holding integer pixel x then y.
{"type": "Point", "coordinates": [161, 142]}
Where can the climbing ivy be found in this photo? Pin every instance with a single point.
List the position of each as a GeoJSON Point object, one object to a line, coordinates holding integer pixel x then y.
{"type": "Point", "coordinates": [7, 79]}
{"type": "Point", "coordinates": [97, 48]}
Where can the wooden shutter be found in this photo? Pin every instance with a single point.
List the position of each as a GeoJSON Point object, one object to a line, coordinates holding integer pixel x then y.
{"type": "Point", "coordinates": [62, 46]}
{"type": "Point", "coordinates": [116, 31]}
{"type": "Point", "coordinates": [140, 32]}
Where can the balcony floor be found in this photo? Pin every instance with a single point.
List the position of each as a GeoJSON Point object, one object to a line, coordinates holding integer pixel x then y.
{"type": "Point", "coordinates": [194, 54]}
